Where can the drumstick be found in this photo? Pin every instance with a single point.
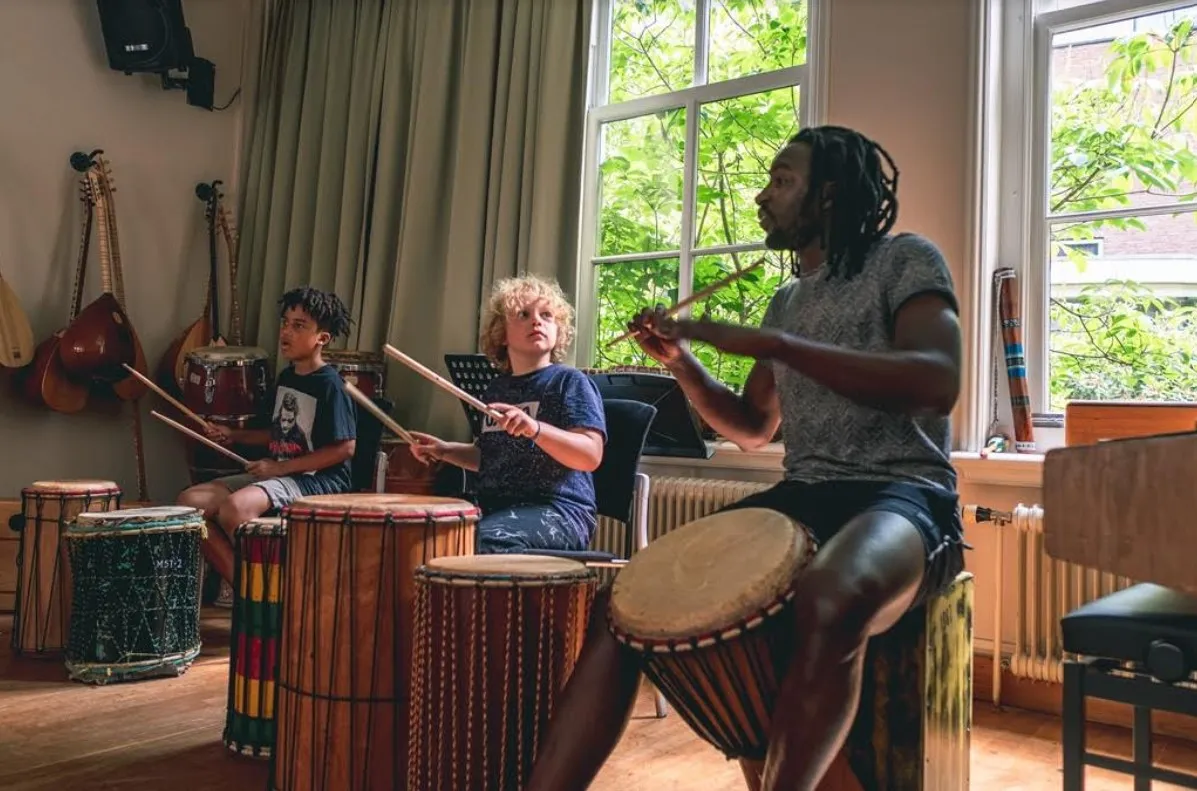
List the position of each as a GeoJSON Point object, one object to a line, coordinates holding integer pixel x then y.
{"type": "Point", "coordinates": [440, 382]}
{"type": "Point", "coordinates": [706, 292]}
{"type": "Point", "coordinates": [383, 417]}
{"type": "Point", "coordinates": [169, 398]}
{"type": "Point", "coordinates": [214, 446]}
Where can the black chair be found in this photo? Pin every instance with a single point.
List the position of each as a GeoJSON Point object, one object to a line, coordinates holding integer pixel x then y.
{"type": "Point", "coordinates": [621, 490]}
{"type": "Point", "coordinates": [1133, 646]}
{"type": "Point", "coordinates": [369, 440]}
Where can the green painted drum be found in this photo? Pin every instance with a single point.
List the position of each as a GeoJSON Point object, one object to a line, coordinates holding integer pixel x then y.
{"type": "Point", "coordinates": [135, 609]}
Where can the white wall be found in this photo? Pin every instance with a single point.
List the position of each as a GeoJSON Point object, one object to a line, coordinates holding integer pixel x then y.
{"type": "Point", "coordinates": [59, 96]}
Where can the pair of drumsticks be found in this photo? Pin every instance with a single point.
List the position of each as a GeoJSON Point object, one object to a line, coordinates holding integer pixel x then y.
{"type": "Point", "coordinates": [428, 374]}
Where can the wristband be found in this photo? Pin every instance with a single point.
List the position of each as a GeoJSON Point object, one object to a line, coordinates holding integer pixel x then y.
{"type": "Point", "coordinates": [537, 434]}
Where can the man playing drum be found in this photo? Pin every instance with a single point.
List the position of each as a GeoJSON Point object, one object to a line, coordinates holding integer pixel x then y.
{"type": "Point", "coordinates": [858, 362]}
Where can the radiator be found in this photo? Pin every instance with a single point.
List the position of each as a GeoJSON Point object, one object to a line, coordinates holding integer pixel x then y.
{"type": "Point", "coordinates": [673, 502]}
{"type": "Point", "coordinates": [1043, 591]}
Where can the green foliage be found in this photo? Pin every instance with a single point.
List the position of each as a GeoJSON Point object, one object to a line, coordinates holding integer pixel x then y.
{"type": "Point", "coordinates": [1123, 140]}
{"type": "Point", "coordinates": [652, 52]}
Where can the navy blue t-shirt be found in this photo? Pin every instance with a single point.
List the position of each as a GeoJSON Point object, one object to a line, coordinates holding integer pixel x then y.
{"type": "Point", "coordinates": [515, 472]}
{"type": "Point", "coordinates": [310, 412]}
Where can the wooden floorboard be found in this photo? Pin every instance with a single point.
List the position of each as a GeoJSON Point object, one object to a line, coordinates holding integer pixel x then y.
{"type": "Point", "coordinates": [56, 735]}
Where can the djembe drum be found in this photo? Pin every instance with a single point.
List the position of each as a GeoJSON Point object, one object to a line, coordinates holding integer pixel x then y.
{"type": "Point", "coordinates": [253, 650]}
{"type": "Point", "coordinates": [135, 612]}
{"type": "Point", "coordinates": [228, 386]}
{"type": "Point", "coordinates": [42, 615]}
{"type": "Point", "coordinates": [496, 639]}
{"type": "Point", "coordinates": [707, 605]}
{"type": "Point", "coordinates": [345, 647]}
{"type": "Point", "coordinates": [403, 473]}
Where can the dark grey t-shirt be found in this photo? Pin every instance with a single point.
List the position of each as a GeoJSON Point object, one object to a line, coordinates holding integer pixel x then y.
{"type": "Point", "coordinates": [828, 436]}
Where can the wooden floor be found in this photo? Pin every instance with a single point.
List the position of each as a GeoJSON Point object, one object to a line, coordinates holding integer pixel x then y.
{"type": "Point", "coordinates": [165, 734]}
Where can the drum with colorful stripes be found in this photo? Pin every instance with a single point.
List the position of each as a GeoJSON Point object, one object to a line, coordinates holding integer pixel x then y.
{"type": "Point", "coordinates": [253, 650]}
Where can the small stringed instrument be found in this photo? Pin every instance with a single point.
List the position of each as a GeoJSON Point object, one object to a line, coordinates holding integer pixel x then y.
{"type": "Point", "coordinates": [100, 338]}
{"type": "Point", "coordinates": [47, 382]}
{"type": "Point", "coordinates": [16, 336]}
{"type": "Point", "coordinates": [229, 231]}
{"type": "Point", "coordinates": [204, 331]}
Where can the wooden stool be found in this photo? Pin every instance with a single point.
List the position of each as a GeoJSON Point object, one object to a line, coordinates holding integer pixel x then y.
{"type": "Point", "coordinates": [912, 731]}
{"type": "Point", "coordinates": [1134, 646]}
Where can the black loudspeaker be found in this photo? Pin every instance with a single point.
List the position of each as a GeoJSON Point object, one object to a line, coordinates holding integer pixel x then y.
{"type": "Point", "coordinates": [147, 36]}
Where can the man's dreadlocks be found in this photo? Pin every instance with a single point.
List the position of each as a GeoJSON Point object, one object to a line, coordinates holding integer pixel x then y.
{"type": "Point", "coordinates": [325, 308]}
{"type": "Point", "coordinates": [864, 204]}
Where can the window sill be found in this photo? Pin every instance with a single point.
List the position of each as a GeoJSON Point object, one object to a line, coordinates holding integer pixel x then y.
{"type": "Point", "coordinates": [994, 469]}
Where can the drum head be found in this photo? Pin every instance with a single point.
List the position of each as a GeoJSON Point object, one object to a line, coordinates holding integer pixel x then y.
{"type": "Point", "coordinates": [160, 516]}
{"type": "Point", "coordinates": [711, 575]}
{"type": "Point", "coordinates": [226, 354]}
{"type": "Point", "coordinates": [522, 567]}
{"type": "Point", "coordinates": [374, 507]}
{"type": "Point", "coordinates": [73, 486]}
{"type": "Point", "coordinates": [263, 524]}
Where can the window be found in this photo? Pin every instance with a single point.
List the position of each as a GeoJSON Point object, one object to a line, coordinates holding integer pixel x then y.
{"type": "Point", "coordinates": [1105, 214]}
{"type": "Point", "coordinates": [690, 101]}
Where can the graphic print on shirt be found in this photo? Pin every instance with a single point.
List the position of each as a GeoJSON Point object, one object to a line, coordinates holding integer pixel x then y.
{"type": "Point", "coordinates": [291, 426]}
{"type": "Point", "coordinates": [490, 424]}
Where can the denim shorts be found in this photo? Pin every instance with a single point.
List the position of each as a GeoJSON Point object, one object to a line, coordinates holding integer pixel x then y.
{"type": "Point", "coordinates": [825, 507]}
{"type": "Point", "coordinates": [281, 491]}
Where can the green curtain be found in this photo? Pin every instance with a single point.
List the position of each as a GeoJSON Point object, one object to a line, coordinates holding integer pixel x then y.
{"type": "Point", "coordinates": [407, 155]}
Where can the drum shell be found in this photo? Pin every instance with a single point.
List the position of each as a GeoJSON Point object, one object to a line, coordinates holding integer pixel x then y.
{"type": "Point", "coordinates": [42, 615]}
{"type": "Point", "coordinates": [405, 474]}
{"type": "Point", "coordinates": [253, 648]}
{"type": "Point", "coordinates": [153, 571]}
{"type": "Point", "coordinates": [490, 664]}
{"type": "Point", "coordinates": [345, 650]}
{"type": "Point", "coordinates": [221, 382]}
{"type": "Point", "coordinates": [364, 370]}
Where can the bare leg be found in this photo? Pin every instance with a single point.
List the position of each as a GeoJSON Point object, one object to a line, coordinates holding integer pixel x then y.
{"type": "Point", "coordinates": [752, 773]}
{"type": "Point", "coordinates": [593, 710]}
{"type": "Point", "coordinates": [240, 507]}
{"type": "Point", "coordinates": [858, 585]}
{"type": "Point", "coordinates": [217, 547]}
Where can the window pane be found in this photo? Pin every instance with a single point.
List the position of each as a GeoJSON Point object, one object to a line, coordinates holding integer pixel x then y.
{"type": "Point", "coordinates": [738, 138]}
{"type": "Point", "coordinates": [641, 184]}
{"type": "Point", "coordinates": [742, 303]}
{"type": "Point", "coordinates": [652, 48]}
{"type": "Point", "coordinates": [1122, 314]}
{"type": "Point", "coordinates": [1124, 113]}
{"type": "Point", "coordinates": [623, 289]}
{"type": "Point", "coordinates": [755, 36]}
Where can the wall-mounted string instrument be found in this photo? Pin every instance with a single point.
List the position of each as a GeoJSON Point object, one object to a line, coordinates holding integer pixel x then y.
{"type": "Point", "coordinates": [1010, 313]}
{"type": "Point", "coordinates": [46, 382]}
{"type": "Point", "coordinates": [228, 230]}
{"type": "Point", "coordinates": [100, 337]}
{"type": "Point", "coordinates": [16, 336]}
{"type": "Point", "coordinates": [205, 330]}
{"type": "Point", "coordinates": [124, 385]}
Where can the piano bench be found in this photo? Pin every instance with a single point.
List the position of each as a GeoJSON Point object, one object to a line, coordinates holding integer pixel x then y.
{"type": "Point", "coordinates": [1136, 646]}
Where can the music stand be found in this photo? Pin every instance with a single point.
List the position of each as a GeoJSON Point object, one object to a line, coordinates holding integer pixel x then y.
{"type": "Point", "coordinates": [472, 373]}
{"type": "Point", "coordinates": [675, 431]}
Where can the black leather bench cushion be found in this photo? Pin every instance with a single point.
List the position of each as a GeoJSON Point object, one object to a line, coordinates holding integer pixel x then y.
{"type": "Point", "coordinates": [1123, 625]}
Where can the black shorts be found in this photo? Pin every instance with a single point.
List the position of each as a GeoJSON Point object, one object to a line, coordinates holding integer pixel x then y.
{"type": "Point", "coordinates": [824, 508]}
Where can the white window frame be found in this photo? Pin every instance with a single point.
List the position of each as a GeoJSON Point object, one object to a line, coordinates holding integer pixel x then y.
{"type": "Point", "coordinates": [1018, 112]}
{"type": "Point", "coordinates": [811, 80]}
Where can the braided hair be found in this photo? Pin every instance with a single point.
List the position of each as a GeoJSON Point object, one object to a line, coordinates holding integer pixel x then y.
{"type": "Point", "coordinates": [325, 308]}
{"type": "Point", "coordinates": [865, 200]}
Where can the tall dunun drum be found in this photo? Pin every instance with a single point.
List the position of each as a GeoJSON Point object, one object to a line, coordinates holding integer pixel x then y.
{"type": "Point", "coordinates": [708, 607]}
{"type": "Point", "coordinates": [135, 612]}
{"type": "Point", "coordinates": [41, 620]}
{"type": "Point", "coordinates": [345, 651]}
{"type": "Point", "coordinates": [257, 622]}
{"type": "Point", "coordinates": [497, 637]}
{"type": "Point", "coordinates": [365, 370]}
{"type": "Point", "coordinates": [229, 386]}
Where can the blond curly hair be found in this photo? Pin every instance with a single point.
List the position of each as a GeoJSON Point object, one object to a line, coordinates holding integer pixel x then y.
{"type": "Point", "coordinates": [512, 295]}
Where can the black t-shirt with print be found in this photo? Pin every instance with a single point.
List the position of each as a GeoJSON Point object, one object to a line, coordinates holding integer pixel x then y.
{"type": "Point", "coordinates": [312, 411]}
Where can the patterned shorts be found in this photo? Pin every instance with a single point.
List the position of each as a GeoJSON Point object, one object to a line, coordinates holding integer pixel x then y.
{"type": "Point", "coordinates": [515, 530]}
